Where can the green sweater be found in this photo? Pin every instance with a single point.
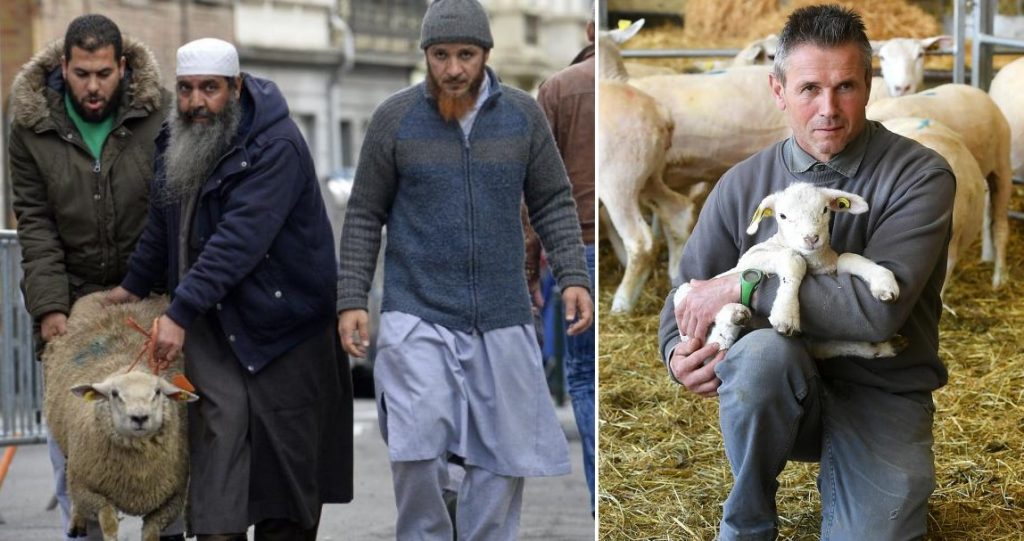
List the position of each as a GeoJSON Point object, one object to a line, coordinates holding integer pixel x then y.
{"type": "Point", "coordinates": [909, 190]}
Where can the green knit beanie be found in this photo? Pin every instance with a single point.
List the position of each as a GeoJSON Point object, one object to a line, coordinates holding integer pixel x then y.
{"type": "Point", "coordinates": [456, 21]}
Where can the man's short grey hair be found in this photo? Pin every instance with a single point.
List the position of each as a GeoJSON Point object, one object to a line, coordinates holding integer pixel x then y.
{"type": "Point", "coordinates": [824, 26]}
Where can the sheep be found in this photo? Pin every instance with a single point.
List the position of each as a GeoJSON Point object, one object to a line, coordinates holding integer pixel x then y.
{"type": "Point", "coordinates": [1006, 90]}
{"type": "Point", "coordinates": [971, 189]}
{"type": "Point", "coordinates": [127, 449]}
{"type": "Point", "coordinates": [801, 245]}
{"type": "Point", "coordinates": [973, 115]}
{"type": "Point", "coordinates": [633, 134]}
{"type": "Point", "coordinates": [902, 61]}
{"type": "Point", "coordinates": [718, 119]}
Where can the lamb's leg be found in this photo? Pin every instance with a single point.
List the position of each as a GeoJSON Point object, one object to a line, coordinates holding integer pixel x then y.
{"type": "Point", "coordinates": [880, 279]}
{"type": "Point", "coordinates": [828, 349]}
{"type": "Point", "coordinates": [86, 503]}
{"type": "Point", "coordinates": [160, 517]}
{"type": "Point", "coordinates": [790, 268]}
{"type": "Point", "coordinates": [639, 242]}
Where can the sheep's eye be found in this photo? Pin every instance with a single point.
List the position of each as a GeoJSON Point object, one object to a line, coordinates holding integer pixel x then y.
{"type": "Point", "coordinates": [782, 216]}
{"type": "Point", "coordinates": [920, 54]}
{"type": "Point", "coordinates": [824, 210]}
{"type": "Point", "coordinates": [115, 394]}
{"type": "Point", "coordinates": [156, 393]}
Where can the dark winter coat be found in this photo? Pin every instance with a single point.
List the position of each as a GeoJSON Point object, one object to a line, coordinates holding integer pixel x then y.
{"type": "Point", "coordinates": [78, 221]}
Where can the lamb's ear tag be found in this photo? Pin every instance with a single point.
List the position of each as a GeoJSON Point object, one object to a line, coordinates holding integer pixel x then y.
{"type": "Point", "coordinates": [766, 213]}
{"type": "Point", "coordinates": [842, 203]}
{"type": "Point", "coordinates": [761, 212]}
{"type": "Point", "coordinates": [90, 395]}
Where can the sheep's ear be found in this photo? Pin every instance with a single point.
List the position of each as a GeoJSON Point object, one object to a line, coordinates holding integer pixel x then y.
{"type": "Point", "coordinates": [840, 201]}
{"type": "Point", "coordinates": [623, 35]}
{"type": "Point", "coordinates": [764, 210]}
{"type": "Point", "coordinates": [937, 42]}
{"type": "Point", "coordinates": [876, 45]}
{"type": "Point", "coordinates": [90, 392]}
{"type": "Point", "coordinates": [175, 393]}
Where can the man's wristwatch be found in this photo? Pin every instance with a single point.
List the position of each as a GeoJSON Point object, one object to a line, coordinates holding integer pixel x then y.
{"type": "Point", "coordinates": [749, 280]}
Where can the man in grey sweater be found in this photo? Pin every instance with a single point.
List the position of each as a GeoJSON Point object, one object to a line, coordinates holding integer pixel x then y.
{"type": "Point", "coordinates": [868, 422]}
{"type": "Point", "coordinates": [445, 165]}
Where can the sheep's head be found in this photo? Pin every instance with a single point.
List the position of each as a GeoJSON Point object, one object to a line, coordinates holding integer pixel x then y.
{"type": "Point", "coordinates": [803, 212]}
{"type": "Point", "coordinates": [136, 401]}
{"type": "Point", "coordinates": [608, 51]}
{"type": "Point", "coordinates": [902, 61]}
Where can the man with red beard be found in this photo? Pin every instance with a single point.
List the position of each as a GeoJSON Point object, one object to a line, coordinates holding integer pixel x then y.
{"type": "Point", "coordinates": [85, 110]}
{"type": "Point", "coordinates": [458, 372]}
{"type": "Point", "coordinates": [238, 232]}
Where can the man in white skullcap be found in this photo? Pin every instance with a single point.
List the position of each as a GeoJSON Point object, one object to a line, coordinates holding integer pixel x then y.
{"type": "Point", "coordinates": [238, 232]}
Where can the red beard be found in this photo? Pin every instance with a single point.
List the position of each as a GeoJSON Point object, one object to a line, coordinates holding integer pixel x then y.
{"type": "Point", "coordinates": [454, 106]}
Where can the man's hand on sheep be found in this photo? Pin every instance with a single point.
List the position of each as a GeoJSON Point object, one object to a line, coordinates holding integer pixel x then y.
{"type": "Point", "coordinates": [54, 324]}
{"type": "Point", "coordinates": [169, 338]}
{"type": "Point", "coordinates": [696, 313]}
{"type": "Point", "coordinates": [693, 365]}
{"type": "Point", "coordinates": [120, 295]}
{"type": "Point", "coordinates": [354, 330]}
{"type": "Point", "coordinates": [578, 307]}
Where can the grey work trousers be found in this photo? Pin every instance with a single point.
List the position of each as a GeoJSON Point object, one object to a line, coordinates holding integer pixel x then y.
{"type": "Point", "coordinates": [488, 504]}
{"type": "Point", "coordinates": [875, 448]}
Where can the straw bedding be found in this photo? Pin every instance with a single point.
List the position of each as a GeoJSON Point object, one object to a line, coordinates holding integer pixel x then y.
{"type": "Point", "coordinates": [663, 472]}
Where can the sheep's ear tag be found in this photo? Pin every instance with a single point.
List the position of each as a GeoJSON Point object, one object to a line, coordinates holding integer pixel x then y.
{"type": "Point", "coordinates": [761, 213]}
{"type": "Point", "coordinates": [842, 203]}
{"type": "Point", "coordinates": [90, 395]}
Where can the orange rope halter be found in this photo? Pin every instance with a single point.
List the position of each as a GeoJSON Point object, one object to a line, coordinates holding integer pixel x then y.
{"type": "Point", "coordinates": [148, 349]}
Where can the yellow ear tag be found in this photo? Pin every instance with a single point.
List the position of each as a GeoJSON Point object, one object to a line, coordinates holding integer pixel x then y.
{"type": "Point", "coordinates": [842, 203]}
{"type": "Point", "coordinates": [767, 213]}
{"type": "Point", "coordinates": [89, 395]}
{"type": "Point", "coordinates": [182, 397]}
{"type": "Point", "coordinates": [624, 24]}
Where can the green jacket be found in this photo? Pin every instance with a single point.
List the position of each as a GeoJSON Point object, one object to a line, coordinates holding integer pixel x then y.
{"type": "Point", "coordinates": [77, 224]}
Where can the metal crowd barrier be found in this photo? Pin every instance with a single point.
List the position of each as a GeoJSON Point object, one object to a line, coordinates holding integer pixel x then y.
{"type": "Point", "coordinates": [21, 377]}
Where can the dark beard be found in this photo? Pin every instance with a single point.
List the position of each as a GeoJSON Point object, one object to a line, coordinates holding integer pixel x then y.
{"type": "Point", "coordinates": [103, 113]}
{"type": "Point", "coordinates": [194, 149]}
{"type": "Point", "coordinates": [453, 107]}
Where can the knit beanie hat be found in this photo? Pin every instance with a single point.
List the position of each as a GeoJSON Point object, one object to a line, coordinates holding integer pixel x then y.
{"type": "Point", "coordinates": [456, 21]}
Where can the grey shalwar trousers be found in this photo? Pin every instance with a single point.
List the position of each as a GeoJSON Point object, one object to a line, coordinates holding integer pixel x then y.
{"type": "Point", "coordinates": [875, 448]}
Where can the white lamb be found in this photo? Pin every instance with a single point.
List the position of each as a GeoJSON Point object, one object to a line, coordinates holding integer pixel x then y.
{"type": "Point", "coordinates": [126, 448]}
{"type": "Point", "coordinates": [801, 245]}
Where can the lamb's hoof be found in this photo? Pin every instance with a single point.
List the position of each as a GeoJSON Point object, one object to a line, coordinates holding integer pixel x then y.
{"type": "Point", "coordinates": [886, 294]}
{"type": "Point", "coordinates": [75, 530]}
{"type": "Point", "coordinates": [740, 315]}
{"type": "Point", "coordinates": [891, 347]}
{"type": "Point", "coordinates": [787, 329]}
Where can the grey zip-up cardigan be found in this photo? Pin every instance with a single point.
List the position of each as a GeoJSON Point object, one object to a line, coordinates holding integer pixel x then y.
{"type": "Point", "coordinates": [451, 204]}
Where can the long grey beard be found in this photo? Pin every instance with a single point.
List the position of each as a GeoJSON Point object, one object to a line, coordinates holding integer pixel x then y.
{"type": "Point", "coordinates": [193, 151]}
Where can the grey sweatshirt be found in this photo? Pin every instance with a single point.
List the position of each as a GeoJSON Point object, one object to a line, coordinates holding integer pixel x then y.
{"type": "Point", "coordinates": [909, 190]}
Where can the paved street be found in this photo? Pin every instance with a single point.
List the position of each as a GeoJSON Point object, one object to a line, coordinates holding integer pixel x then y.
{"type": "Point", "coordinates": [555, 509]}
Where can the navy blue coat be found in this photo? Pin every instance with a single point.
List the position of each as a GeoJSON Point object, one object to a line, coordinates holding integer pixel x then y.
{"type": "Point", "coordinates": [266, 263]}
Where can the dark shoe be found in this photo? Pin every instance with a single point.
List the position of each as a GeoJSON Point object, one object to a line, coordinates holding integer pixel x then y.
{"type": "Point", "coordinates": [176, 537]}
{"type": "Point", "coordinates": [222, 537]}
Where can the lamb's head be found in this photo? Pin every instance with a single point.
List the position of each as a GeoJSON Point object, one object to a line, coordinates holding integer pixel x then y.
{"type": "Point", "coordinates": [803, 212]}
{"type": "Point", "coordinates": [136, 401]}
{"type": "Point", "coordinates": [902, 61]}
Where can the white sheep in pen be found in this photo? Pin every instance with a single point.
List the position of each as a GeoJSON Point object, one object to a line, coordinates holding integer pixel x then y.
{"type": "Point", "coordinates": [902, 62]}
{"type": "Point", "coordinates": [718, 120]}
{"type": "Point", "coordinates": [632, 137]}
{"type": "Point", "coordinates": [971, 190]}
{"type": "Point", "coordinates": [127, 446]}
{"type": "Point", "coordinates": [801, 245]}
{"type": "Point", "coordinates": [1007, 90]}
{"type": "Point", "coordinates": [973, 115]}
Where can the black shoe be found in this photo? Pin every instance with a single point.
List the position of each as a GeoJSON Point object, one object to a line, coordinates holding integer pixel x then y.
{"type": "Point", "coordinates": [175, 537]}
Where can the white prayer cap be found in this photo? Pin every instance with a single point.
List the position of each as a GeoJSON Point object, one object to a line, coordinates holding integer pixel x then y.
{"type": "Point", "coordinates": [207, 56]}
